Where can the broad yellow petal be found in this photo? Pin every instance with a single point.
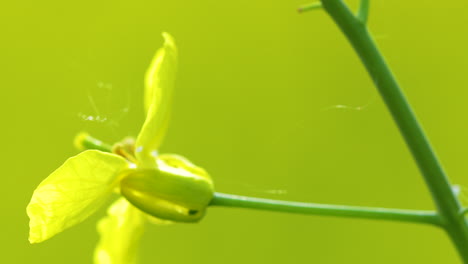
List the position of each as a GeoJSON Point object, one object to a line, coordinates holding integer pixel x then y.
{"type": "Point", "coordinates": [159, 83]}
{"type": "Point", "coordinates": [120, 232]}
{"type": "Point", "coordinates": [72, 193]}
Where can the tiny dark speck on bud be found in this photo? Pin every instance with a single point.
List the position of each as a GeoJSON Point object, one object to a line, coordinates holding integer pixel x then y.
{"type": "Point", "coordinates": [192, 212]}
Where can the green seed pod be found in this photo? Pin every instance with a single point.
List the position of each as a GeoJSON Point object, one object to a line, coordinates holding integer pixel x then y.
{"type": "Point", "coordinates": [177, 190]}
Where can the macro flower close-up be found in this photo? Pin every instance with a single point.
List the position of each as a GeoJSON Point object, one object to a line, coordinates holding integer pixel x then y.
{"type": "Point", "coordinates": [206, 132]}
{"type": "Point", "coordinates": [165, 186]}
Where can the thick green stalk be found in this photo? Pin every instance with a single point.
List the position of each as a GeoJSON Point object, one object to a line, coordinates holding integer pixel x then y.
{"type": "Point", "coordinates": [447, 204]}
{"type": "Point", "coordinates": [415, 216]}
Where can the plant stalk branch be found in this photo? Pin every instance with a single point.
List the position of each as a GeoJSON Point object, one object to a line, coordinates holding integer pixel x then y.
{"type": "Point", "coordinates": [229, 200]}
{"type": "Point", "coordinates": [84, 141]}
{"type": "Point", "coordinates": [448, 205]}
{"type": "Point", "coordinates": [414, 216]}
{"type": "Point", "coordinates": [309, 7]}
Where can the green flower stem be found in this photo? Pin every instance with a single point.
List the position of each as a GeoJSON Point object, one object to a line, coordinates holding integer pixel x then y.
{"type": "Point", "coordinates": [414, 216]}
{"type": "Point", "coordinates": [448, 205]}
{"type": "Point", "coordinates": [85, 141]}
{"type": "Point", "coordinates": [309, 7]}
{"type": "Point", "coordinates": [228, 200]}
{"type": "Point", "coordinates": [363, 12]}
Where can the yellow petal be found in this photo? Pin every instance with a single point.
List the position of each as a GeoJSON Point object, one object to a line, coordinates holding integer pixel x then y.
{"type": "Point", "coordinates": [72, 193]}
{"type": "Point", "coordinates": [120, 232]}
{"type": "Point", "coordinates": [159, 83]}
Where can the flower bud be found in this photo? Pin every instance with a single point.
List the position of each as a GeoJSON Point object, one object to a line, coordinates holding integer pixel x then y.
{"type": "Point", "coordinates": [177, 190]}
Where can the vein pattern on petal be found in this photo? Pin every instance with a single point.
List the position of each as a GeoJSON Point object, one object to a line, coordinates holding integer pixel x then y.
{"type": "Point", "coordinates": [72, 193]}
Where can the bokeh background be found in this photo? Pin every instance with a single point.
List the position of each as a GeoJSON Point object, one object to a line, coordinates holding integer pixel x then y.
{"type": "Point", "coordinates": [272, 103]}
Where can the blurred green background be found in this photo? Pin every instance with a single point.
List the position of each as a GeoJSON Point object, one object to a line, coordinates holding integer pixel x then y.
{"type": "Point", "coordinates": [272, 103]}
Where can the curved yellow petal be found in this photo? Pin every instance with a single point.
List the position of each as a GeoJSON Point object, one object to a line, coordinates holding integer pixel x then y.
{"type": "Point", "coordinates": [159, 83]}
{"type": "Point", "coordinates": [120, 232]}
{"type": "Point", "coordinates": [72, 192]}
